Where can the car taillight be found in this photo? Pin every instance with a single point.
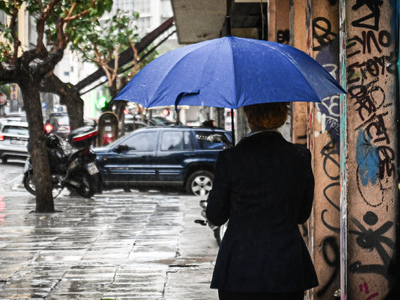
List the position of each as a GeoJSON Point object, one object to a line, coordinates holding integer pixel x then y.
{"type": "Point", "coordinates": [1, 137]}
{"type": "Point", "coordinates": [48, 128]}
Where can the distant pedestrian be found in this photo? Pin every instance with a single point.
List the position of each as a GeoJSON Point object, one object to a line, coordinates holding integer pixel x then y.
{"type": "Point", "coordinates": [209, 123]}
{"type": "Point", "coordinates": [264, 186]}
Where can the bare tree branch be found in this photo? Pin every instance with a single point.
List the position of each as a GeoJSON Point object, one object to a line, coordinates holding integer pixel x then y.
{"type": "Point", "coordinates": [41, 21]}
{"type": "Point", "coordinates": [77, 16]}
{"type": "Point", "coordinates": [134, 60]}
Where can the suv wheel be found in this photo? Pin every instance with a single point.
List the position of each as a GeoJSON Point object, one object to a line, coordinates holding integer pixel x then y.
{"type": "Point", "coordinates": [200, 183]}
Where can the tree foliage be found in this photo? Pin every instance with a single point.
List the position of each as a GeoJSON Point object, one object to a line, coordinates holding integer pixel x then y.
{"type": "Point", "coordinates": [56, 23]}
{"type": "Point", "coordinates": [104, 41]}
{"type": "Point", "coordinates": [104, 44]}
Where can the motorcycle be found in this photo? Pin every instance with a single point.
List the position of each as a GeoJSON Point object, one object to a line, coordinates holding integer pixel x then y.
{"type": "Point", "coordinates": [72, 163]}
{"type": "Point", "coordinates": [219, 231]}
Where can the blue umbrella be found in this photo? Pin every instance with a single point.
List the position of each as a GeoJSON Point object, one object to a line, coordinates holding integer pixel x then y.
{"type": "Point", "coordinates": [230, 72]}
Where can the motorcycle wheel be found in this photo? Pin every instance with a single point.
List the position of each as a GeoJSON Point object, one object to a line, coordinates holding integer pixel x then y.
{"type": "Point", "coordinates": [220, 232]}
{"type": "Point", "coordinates": [30, 186]}
{"type": "Point", "coordinates": [86, 190]}
{"type": "Point", "coordinates": [28, 183]}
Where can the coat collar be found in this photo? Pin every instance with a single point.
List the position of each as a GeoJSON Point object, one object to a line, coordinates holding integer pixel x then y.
{"type": "Point", "coordinates": [274, 132]}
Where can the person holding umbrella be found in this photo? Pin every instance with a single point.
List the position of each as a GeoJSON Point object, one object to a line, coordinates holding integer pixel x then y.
{"type": "Point", "coordinates": [264, 186]}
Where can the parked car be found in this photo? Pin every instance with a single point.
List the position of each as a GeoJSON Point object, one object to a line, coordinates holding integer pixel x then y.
{"type": "Point", "coordinates": [60, 123]}
{"type": "Point", "coordinates": [163, 121]}
{"type": "Point", "coordinates": [12, 117]}
{"type": "Point", "coordinates": [14, 141]}
{"type": "Point", "coordinates": [131, 126]}
{"type": "Point", "coordinates": [154, 121]}
{"type": "Point", "coordinates": [16, 116]}
{"type": "Point", "coordinates": [61, 126]}
{"type": "Point", "coordinates": [163, 156]}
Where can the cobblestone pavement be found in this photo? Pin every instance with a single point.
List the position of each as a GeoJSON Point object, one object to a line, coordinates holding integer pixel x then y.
{"type": "Point", "coordinates": [114, 246]}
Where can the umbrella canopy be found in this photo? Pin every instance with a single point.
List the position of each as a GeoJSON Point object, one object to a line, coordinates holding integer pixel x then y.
{"type": "Point", "coordinates": [230, 72]}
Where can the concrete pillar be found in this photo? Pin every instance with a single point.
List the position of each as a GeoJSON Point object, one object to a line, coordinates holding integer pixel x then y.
{"type": "Point", "coordinates": [298, 39]}
{"type": "Point", "coordinates": [325, 150]}
{"type": "Point", "coordinates": [368, 147]}
{"type": "Point", "coordinates": [272, 19]}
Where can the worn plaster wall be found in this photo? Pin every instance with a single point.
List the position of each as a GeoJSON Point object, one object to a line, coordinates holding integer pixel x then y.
{"type": "Point", "coordinates": [370, 148]}
{"type": "Point", "coordinates": [279, 21]}
{"type": "Point", "coordinates": [283, 22]}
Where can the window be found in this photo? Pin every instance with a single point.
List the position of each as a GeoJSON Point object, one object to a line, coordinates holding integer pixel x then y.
{"type": "Point", "coordinates": [176, 141]}
{"type": "Point", "coordinates": [18, 130]}
{"type": "Point", "coordinates": [146, 141]}
{"type": "Point", "coordinates": [212, 140]}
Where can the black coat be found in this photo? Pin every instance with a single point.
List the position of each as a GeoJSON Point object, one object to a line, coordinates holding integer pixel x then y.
{"type": "Point", "coordinates": [265, 187]}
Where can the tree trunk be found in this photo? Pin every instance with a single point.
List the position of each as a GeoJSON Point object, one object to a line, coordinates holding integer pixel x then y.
{"type": "Point", "coordinates": [69, 95]}
{"type": "Point", "coordinates": [38, 150]}
{"type": "Point", "coordinates": [119, 107]}
{"type": "Point", "coordinates": [74, 105]}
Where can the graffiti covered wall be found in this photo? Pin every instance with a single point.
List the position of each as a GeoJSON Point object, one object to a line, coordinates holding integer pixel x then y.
{"type": "Point", "coordinates": [371, 38]}
{"type": "Point", "coordinates": [326, 141]}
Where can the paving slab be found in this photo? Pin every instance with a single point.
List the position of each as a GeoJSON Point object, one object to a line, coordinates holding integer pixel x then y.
{"type": "Point", "coordinates": [113, 246]}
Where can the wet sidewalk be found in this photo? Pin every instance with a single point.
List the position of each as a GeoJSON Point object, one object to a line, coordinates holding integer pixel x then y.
{"type": "Point", "coordinates": [113, 246]}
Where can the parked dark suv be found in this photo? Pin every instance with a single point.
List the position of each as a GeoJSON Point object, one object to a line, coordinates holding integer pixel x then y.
{"type": "Point", "coordinates": [163, 156]}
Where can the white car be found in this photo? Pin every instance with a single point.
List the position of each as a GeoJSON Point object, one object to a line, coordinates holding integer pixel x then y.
{"type": "Point", "coordinates": [14, 141]}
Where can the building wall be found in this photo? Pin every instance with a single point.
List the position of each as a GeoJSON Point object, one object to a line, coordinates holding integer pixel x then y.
{"type": "Point", "coordinates": [152, 13]}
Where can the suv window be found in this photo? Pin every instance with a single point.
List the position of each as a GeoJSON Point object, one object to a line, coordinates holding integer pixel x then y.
{"type": "Point", "coordinates": [18, 130]}
{"type": "Point", "coordinates": [146, 141]}
{"type": "Point", "coordinates": [176, 141]}
{"type": "Point", "coordinates": [212, 140]}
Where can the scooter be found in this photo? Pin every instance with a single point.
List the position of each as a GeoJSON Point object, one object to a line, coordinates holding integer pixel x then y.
{"type": "Point", "coordinates": [219, 231]}
{"type": "Point", "coordinates": [72, 164]}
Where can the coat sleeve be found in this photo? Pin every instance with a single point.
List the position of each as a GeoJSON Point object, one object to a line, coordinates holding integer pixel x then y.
{"type": "Point", "coordinates": [308, 196]}
{"type": "Point", "coordinates": [218, 200]}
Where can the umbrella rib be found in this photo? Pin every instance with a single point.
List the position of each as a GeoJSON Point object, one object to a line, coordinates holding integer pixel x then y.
{"type": "Point", "coordinates": [234, 73]}
{"type": "Point", "coordinates": [293, 64]}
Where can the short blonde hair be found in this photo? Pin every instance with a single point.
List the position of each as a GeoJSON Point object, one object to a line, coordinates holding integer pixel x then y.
{"type": "Point", "coordinates": [266, 116]}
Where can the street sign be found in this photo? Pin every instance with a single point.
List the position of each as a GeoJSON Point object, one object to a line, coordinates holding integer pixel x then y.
{"type": "Point", "coordinates": [14, 92]}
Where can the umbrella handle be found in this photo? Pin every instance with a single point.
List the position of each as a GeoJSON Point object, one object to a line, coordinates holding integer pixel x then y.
{"type": "Point", "coordinates": [178, 99]}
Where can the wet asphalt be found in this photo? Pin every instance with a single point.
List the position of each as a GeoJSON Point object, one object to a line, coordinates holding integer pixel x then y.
{"type": "Point", "coordinates": [115, 245]}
